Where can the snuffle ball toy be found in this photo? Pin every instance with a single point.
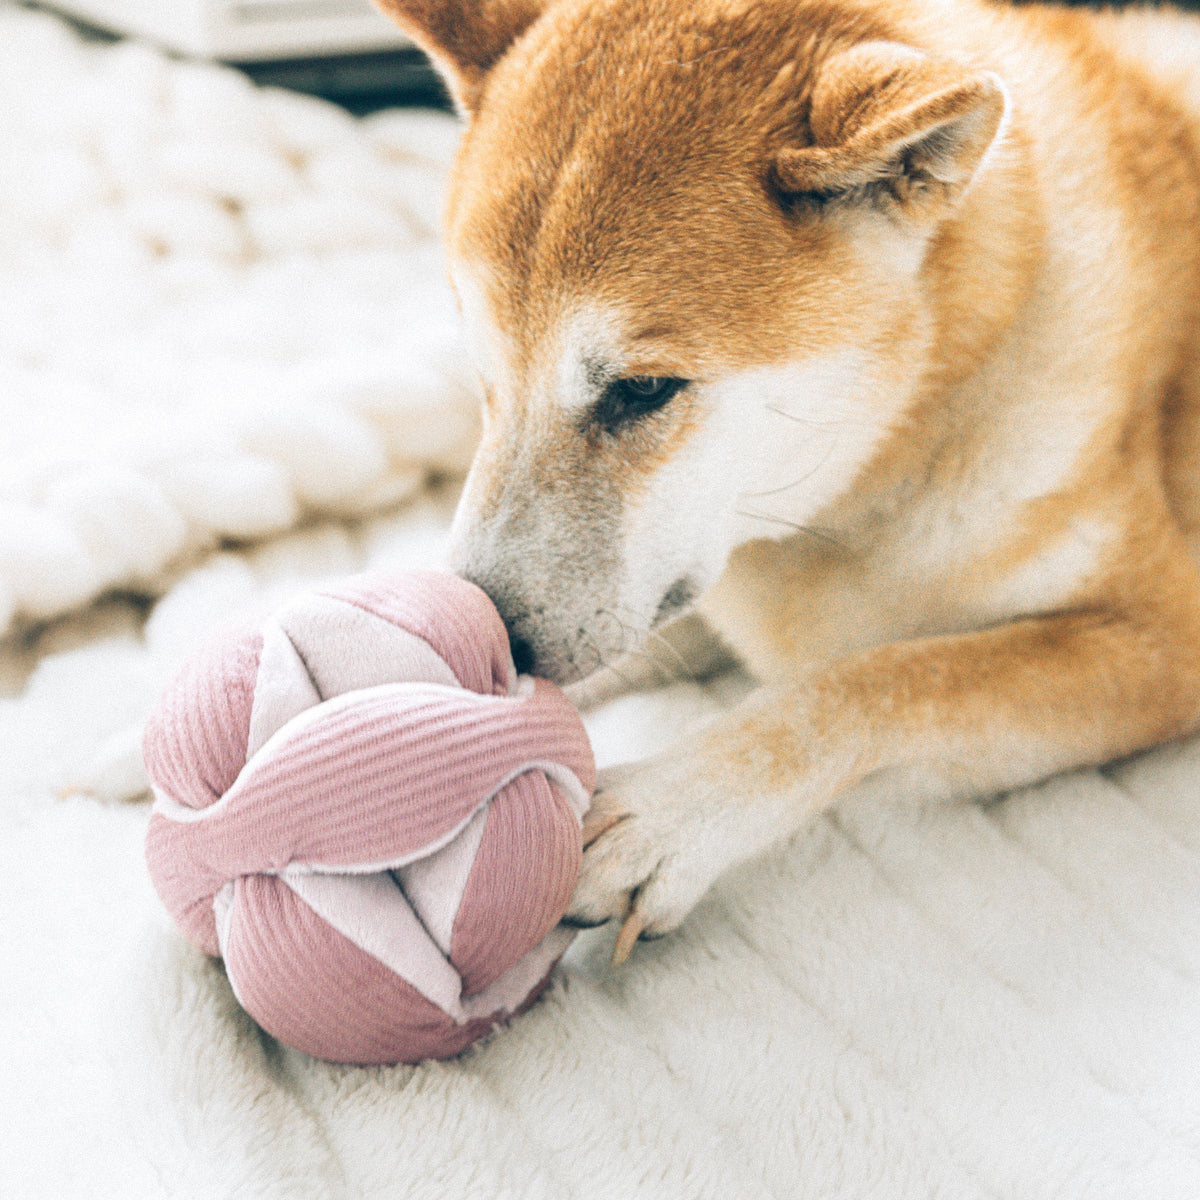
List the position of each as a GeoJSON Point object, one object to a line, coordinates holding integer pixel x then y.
{"type": "Point", "coordinates": [375, 823]}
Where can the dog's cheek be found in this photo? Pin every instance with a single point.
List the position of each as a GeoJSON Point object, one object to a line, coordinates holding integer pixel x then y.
{"type": "Point", "coordinates": [681, 522]}
{"type": "Point", "coordinates": [678, 531]}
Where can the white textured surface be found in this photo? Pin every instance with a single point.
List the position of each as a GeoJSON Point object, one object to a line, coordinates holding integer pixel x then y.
{"type": "Point", "coordinates": [978, 1001]}
{"type": "Point", "coordinates": [223, 313]}
{"type": "Point", "coordinates": [995, 1001]}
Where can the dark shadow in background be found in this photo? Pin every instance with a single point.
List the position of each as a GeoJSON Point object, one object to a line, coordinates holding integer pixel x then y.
{"type": "Point", "coordinates": [364, 83]}
{"type": "Point", "coordinates": [361, 83]}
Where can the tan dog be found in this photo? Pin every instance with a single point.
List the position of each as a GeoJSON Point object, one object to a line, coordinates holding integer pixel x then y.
{"type": "Point", "coordinates": [871, 328]}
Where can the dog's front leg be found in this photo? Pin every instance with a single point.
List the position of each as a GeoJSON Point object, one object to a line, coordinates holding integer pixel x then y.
{"type": "Point", "coordinates": [980, 712]}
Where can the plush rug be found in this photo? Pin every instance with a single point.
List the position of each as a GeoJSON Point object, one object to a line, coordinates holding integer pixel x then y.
{"type": "Point", "coordinates": [997, 1000]}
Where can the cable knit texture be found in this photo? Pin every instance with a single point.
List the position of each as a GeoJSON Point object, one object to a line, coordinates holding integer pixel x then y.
{"type": "Point", "coordinates": [225, 313]}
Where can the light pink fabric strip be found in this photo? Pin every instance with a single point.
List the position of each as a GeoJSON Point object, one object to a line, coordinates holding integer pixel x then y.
{"type": "Point", "coordinates": [434, 883]}
{"type": "Point", "coordinates": [345, 648]}
{"type": "Point", "coordinates": [372, 912]}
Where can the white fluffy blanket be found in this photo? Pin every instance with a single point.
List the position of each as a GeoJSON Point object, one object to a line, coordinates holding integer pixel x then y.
{"type": "Point", "coordinates": [998, 1000]}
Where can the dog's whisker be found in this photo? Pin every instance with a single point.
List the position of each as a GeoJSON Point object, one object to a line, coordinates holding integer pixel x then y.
{"type": "Point", "coordinates": [809, 530]}
{"type": "Point", "coordinates": [833, 445]}
{"type": "Point", "coordinates": [599, 663]}
{"type": "Point", "coordinates": [665, 672]}
{"type": "Point", "coordinates": [602, 664]}
{"type": "Point", "coordinates": [629, 637]}
{"type": "Point", "coordinates": [621, 628]}
{"type": "Point", "coordinates": [787, 487]}
{"type": "Point", "coordinates": [814, 424]}
{"type": "Point", "coordinates": [684, 668]}
{"type": "Point", "coordinates": [640, 620]}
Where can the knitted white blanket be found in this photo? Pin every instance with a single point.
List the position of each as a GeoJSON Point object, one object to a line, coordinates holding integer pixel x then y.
{"type": "Point", "coordinates": [223, 313]}
{"type": "Point", "coordinates": [998, 1000]}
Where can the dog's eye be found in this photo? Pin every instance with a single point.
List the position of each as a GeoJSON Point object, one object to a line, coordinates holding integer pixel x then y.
{"type": "Point", "coordinates": [635, 396]}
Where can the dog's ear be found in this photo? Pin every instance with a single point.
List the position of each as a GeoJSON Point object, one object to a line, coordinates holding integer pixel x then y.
{"type": "Point", "coordinates": [464, 38]}
{"type": "Point", "coordinates": [893, 126]}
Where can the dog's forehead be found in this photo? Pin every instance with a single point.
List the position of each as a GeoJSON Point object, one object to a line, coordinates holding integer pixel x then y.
{"type": "Point", "coordinates": [582, 345]}
{"type": "Point", "coordinates": [599, 177]}
{"type": "Point", "coordinates": [681, 303]}
{"type": "Point", "coordinates": [581, 118]}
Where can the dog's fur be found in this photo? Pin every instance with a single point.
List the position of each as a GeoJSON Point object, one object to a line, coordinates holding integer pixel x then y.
{"type": "Point", "coordinates": [932, 271]}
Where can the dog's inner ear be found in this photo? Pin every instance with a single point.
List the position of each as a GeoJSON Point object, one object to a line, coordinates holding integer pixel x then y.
{"type": "Point", "coordinates": [892, 126]}
{"type": "Point", "coordinates": [464, 39]}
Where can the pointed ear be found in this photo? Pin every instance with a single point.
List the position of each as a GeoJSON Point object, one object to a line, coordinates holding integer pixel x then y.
{"type": "Point", "coordinates": [892, 126]}
{"type": "Point", "coordinates": [464, 39]}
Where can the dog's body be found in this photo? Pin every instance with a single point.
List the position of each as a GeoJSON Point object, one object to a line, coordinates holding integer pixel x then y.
{"type": "Point", "coordinates": [871, 328]}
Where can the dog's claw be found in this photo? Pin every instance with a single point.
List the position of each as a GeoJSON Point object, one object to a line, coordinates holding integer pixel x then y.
{"type": "Point", "coordinates": [645, 862]}
{"type": "Point", "coordinates": [631, 930]}
{"type": "Point", "coordinates": [597, 822]}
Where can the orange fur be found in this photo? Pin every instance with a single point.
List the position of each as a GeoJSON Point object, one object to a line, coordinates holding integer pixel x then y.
{"type": "Point", "coordinates": [944, 259]}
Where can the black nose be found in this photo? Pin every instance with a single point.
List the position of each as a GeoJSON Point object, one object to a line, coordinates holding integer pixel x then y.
{"type": "Point", "coordinates": [522, 654]}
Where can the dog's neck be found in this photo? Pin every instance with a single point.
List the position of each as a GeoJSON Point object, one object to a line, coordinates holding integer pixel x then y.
{"type": "Point", "coordinates": [983, 261]}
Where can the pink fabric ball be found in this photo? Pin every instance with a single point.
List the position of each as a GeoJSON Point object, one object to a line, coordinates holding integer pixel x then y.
{"type": "Point", "coordinates": [375, 823]}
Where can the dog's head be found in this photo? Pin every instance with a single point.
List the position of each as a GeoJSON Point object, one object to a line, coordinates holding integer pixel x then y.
{"type": "Point", "coordinates": [688, 244]}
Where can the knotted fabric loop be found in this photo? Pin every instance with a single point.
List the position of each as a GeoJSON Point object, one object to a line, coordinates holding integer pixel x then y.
{"type": "Point", "coordinates": [370, 817]}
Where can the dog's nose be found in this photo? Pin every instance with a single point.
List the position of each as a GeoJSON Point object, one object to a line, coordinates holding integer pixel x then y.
{"type": "Point", "coordinates": [522, 653]}
{"type": "Point", "coordinates": [509, 606]}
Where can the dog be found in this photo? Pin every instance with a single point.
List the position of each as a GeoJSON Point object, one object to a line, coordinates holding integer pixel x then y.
{"type": "Point", "coordinates": [857, 338]}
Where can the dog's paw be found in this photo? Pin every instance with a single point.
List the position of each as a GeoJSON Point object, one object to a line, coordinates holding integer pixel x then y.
{"type": "Point", "coordinates": [649, 854]}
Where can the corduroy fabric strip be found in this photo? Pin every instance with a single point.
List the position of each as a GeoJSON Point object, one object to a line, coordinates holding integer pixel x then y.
{"type": "Point", "coordinates": [501, 917]}
{"type": "Point", "coordinates": [459, 622]}
{"type": "Point", "coordinates": [194, 743]}
{"type": "Point", "coordinates": [302, 1000]}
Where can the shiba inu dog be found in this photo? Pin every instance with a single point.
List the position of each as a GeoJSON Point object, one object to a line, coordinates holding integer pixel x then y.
{"type": "Point", "coordinates": [865, 334]}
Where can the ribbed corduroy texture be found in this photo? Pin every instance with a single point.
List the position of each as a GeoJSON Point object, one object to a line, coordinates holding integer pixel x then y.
{"type": "Point", "coordinates": [350, 789]}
